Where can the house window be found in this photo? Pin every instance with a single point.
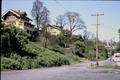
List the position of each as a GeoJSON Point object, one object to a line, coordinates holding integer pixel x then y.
{"type": "Point", "coordinates": [27, 31]}
{"type": "Point", "coordinates": [30, 32]}
{"type": "Point", "coordinates": [25, 24]}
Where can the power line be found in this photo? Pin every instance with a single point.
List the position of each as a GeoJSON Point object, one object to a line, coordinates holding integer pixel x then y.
{"type": "Point", "coordinates": [61, 5]}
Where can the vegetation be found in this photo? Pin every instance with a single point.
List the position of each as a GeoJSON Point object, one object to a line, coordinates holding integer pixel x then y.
{"type": "Point", "coordinates": [71, 20]}
{"type": "Point", "coordinates": [41, 17]}
{"type": "Point", "coordinates": [40, 14]}
{"type": "Point", "coordinates": [78, 45]}
{"type": "Point", "coordinates": [17, 52]}
{"type": "Point", "coordinates": [118, 43]}
{"type": "Point", "coordinates": [86, 48]}
{"type": "Point", "coordinates": [118, 47]}
{"type": "Point", "coordinates": [12, 38]}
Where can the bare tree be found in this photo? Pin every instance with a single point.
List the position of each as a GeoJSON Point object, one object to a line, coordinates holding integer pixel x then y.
{"type": "Point", "coordinates": [60, 21]}
{"type": "Point", "coordinates": [74, 22]}
{"type": "Point", "coordinates": [86, 35]}
{"type": "Point", "coordinates": [40, 14]}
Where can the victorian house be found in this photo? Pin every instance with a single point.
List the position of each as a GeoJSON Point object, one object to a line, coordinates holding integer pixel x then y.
{"type": "Point", "coordinates": [19, 19]}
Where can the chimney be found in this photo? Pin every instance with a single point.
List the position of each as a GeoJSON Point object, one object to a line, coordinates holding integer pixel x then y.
{"type": "Point", "coordinates": [18, 10]}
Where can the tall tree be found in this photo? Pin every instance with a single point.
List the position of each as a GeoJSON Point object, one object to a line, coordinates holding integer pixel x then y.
{"type": "Point", "coordinates": [74, 21]}
{"type": "Point", "coordinates": [40, 14]}
{"type": "Point", "coordinates": [86, 35]}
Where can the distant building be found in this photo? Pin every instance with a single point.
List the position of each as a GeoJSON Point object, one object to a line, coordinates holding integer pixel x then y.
{"type": "Point", "coordinates": [18, 19]}
{"type": "Point", "coordinates": [53, 29]}
{"type": "Point", "coordinates": [110, 46]}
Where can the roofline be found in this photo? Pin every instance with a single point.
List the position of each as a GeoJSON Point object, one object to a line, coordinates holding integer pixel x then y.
{"type": "Point", "coordinates": [14, 13]}
{"type": "Point", "coordinates": [11, 11]}
{"type": "Point", "coordinates": [54, 26]}
{"type": "Point", "coordinates": [29, 18]}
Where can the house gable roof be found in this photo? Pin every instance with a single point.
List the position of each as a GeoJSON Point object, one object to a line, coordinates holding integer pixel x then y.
{"type": "Point", "coordinates": [54, 26]}
{"type": "Point", "coordinates": [19, 14]}
{"type": "Point", "coordinates": [10, 10]}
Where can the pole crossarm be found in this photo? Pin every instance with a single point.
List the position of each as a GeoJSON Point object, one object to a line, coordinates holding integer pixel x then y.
{"type": "Point", "coordinates": [97, 14]}
{"type": "Point", "coordinates": [98, 24]}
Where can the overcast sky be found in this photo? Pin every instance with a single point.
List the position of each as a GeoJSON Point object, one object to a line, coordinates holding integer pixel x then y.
{"type": "Point", "coordinates": [110, 9]}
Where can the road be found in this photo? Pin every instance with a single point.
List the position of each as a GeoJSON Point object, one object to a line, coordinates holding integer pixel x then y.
{"type": "Point", "coordinates": [81, 71]}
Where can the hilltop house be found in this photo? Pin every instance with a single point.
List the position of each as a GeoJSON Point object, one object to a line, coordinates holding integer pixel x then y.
{"type": "Point", "coordinates": [53, 29]}
{"type": "Point", "coordinates": [19, 19]}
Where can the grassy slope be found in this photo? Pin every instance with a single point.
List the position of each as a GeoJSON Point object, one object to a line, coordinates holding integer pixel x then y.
{"type": "Point", "coordinates": [44, 58]}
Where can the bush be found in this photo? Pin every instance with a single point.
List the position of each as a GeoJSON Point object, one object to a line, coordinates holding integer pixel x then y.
{"type": "Point", "coordinates": [12, 38]}
{"type": "Point", "coordinates": [73, 58]}
{"type": "Point", "coordinates": [33, 63]}
{"type": "Point", "coordinates": [33, 49]}
{"type": "Point", "coordinates": [16, 62]}
{"type": "Point", "coordinates": [79, 48]}
{"type": "Point", "coordinates": [118, 47]}
{"type": "Point", "coordinates": [50, 58]}
{"type": "Point", "coordinates": [102, 52]}
{"type": "Point", "coordinates": [7, 63]}
{"type": "Point", "coordinates": [24, 63]}
{"type": "Point", "coordinates": [45, 58]}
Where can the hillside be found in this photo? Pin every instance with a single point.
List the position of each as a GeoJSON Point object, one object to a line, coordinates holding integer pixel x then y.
{"type": "Point", "coordinates": [20, 53]}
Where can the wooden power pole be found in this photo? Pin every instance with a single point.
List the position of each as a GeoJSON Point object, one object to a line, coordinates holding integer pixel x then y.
{"type": "Point", "coordinates": [119, 34]}
{"type": "Point", "coordinates": [97, 39]}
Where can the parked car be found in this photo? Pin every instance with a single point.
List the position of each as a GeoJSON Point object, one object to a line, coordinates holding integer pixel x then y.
{"type": "Point", "coordinates": [116, 58]}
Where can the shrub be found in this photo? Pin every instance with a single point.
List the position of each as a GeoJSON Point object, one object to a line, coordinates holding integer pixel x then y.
{"type": "Point", "coordinates": [73, 58]}
{"type": "Point", "coordinates": [23, 61]}
{"type": "Point", "coordinates": [79, 48]}
{"type": "Point", "coordinates": [46, 58]}
{"type": "Point", "coordinates": [7, 63]}
{"type": "Point", "coordinates": [16, 62]}
{"type": "Point", "coordinates": [33, 63]}
{"type": "Point", "coordinates": [118, 47]}
{"type": "Point", "coordinates": [50, 58]}
{"type": "Point", "coordinates": [32, 49]}
{"type": "Point", "coordinates": [12, 38]}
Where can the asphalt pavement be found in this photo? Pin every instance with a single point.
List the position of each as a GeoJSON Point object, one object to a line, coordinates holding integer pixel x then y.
{"type": "Point", "coordinates": [81, 71]}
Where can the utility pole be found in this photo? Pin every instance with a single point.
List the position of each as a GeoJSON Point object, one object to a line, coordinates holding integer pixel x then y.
{"type": "Point", "coordinates": [119, 34]}
{"type": "Point", "coordinates": [97, 39]}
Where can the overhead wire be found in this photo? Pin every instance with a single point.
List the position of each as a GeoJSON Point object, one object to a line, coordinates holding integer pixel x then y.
{"type": "Point", "coordinates": [61, 5]}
